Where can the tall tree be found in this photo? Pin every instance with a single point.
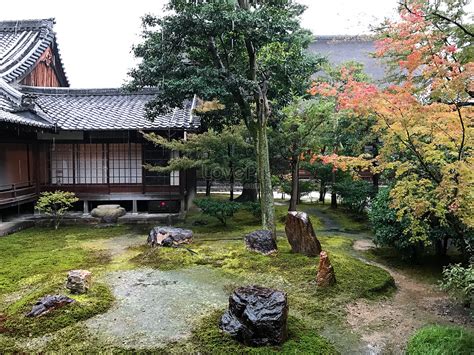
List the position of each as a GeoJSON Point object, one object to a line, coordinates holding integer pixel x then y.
{"type": "Point", "coordinates": [246, 55]}
{"type": "Point", "coordinates": [295, 135]}
{"type": "Point", "coordinates": [224, 155]}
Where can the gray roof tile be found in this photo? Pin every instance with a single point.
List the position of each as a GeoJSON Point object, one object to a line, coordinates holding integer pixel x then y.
{"type": "Point", "coordinates": [21, 45]}
{"type": "Point", "coordinates": [107, 109]}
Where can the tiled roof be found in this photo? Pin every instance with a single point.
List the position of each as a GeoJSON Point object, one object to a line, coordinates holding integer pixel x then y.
{"type": "Point", "coordinates": [21, 45]}
{"type": "Point", "coordinates": [107, 109]}
{"type": "Point", "coordinates": [24, 118]}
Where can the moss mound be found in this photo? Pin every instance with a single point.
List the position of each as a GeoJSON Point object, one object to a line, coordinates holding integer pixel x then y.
{"type": "Point", "coordinates": [441, 340]}
{"type": "Point", "coordinates": [97, 300]}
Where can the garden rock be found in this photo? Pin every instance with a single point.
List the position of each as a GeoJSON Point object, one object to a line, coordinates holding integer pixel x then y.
{"type": "Point", "coordinates": [261, 241]}
{"type": "Point", "coordinates": [300, 234]}
{"type": "Point", "coordinates": [169, 236]}
{"type": "Point", "coordinates": [326, 276]}
{"type": "Point", "coordinates": [108, 213]}
{"type": "Point", "coordinates": [257, 316]}
{"type": "Point", "coordinates": [49, 303]}
{"type": "Point", "coordinates": [79, 281]}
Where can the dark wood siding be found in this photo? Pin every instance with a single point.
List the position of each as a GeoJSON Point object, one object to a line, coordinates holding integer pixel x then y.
{"type": "Point", "coordinates": [44, 73]}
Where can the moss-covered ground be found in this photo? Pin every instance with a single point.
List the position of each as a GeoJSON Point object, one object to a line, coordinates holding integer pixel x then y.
{"type": "Point", "coordinates": [442, 340]}
{"type": "Point", "coordinates": [35, 262]}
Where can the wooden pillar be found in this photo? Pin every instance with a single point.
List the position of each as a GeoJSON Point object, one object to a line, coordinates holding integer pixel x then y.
{"type": "Point", "coordinates": [134, 207]}
{"type": "Point", "coordinates": [86, 207]}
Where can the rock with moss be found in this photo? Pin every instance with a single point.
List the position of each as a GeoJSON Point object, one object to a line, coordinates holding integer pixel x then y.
{"type": "Point", "coordinates": [169, 236]}
{"type": "Point", "coordinates": [49, 303]}
{"type": "Point", "coordinates": [108, 214]}
{"type": "Point", "coordinates": [257, 316]}
{"type": "Point", "coordinates": [326, 276]}
{"type": "Point", "coordinates": [300, 234]}
{"type": "Point", "coordinates": [79, 281]}
{"type": "Point", "coordinates": [262, 242]}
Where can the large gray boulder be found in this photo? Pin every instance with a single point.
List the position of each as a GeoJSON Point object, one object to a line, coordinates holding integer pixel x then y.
{"type": "Point", "coordinates": [300, 234]}
{"type": "Point", "coordinates": [108, 213]}
{"type": "Point", "coordinates": [257, 316]}
{"type": "Point", "coordinates": [262, 242]}
{"type": "Point", "coordinates": [169, 236]}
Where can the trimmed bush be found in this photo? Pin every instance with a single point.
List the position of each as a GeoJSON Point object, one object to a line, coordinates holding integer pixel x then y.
{"type": "Point", "coordinates": [354, 194]}
{"type": "Point", "coordinates": [56, 204]}
{"type": "Point", "coordinates": [222, 210]}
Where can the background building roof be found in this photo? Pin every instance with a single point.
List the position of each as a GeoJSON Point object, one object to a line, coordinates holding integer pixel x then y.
{"type": "Point", "coordinates": [340, 49]}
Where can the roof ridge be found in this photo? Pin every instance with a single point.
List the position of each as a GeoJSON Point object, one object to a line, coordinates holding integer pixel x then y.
{"type": "Point", "coordinates": [85, 91]}
{"type": "Point", "coordinates": [360, 38]}
{"type": "Point", "coordinates": [15, 25]}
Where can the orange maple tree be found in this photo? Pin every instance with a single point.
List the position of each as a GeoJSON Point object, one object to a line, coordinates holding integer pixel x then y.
{"type": "Point", "coordinates": [425, 120]}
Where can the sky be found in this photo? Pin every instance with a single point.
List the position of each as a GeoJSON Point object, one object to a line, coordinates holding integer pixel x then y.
{"type": "Point", "coordinates": [95, 37]}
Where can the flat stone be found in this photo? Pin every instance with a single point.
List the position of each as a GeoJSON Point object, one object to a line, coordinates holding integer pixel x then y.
{"type": "Point", "coordinates": [300, 234]}
{"type": "Point", "coordinates": [257, 316]}
{"type": "Point", "coordinates": [49, 303]}
{"type": "Point", "coordinates": [79, 281]}
{"type": "Point", "coordinates": [108, 213]}
{"type": "Point", "coordinates": [262, 242]}
{"type": "Point", "coordinates": [169, 236]}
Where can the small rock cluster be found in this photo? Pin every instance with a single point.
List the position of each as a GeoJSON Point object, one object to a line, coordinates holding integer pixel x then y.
{"type": "Point", "coordinates": [169, 236]}
{"type": "Point", "coordinates": [262, 242]}
{"type": "Point", "coordinates": [78, 282]}
{"type": "Point", "coordinates": [108, 214]}
{"type": "Point", "coordinates": [257, 316]}
{"type": "Point", "coordinates": [300, 234]}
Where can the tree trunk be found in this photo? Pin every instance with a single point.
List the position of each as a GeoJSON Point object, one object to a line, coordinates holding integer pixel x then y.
{"type": "Point", "coordinates": [375, 183]}
{"type": "Point", "coordinates": [295, 164]}
{"type": "Point", "coordinates": [322, 191]}
{"type": "Point", "coordinates": [232, 177]}
{"type": "Point", "coordinates": [208, 187]}
{"type": "Point", "coordinates": [265, 181]}
{"type": "Point", "coordinates": [333, 191]}
{"type": "Point", "coordinates": [298, 191]}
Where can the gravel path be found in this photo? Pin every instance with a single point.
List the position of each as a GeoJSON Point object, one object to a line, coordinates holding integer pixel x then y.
{"type": "Point", "coordinates": [385, 325]}
{"type": "Point", "coordinates": [155, 307]}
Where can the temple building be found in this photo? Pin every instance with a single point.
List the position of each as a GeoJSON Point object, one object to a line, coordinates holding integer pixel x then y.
{"type": "Point", "coordinates": [87, 141]}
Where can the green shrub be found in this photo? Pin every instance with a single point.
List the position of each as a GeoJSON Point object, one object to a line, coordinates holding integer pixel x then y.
{"type": "Point", "coordinates": [254, 208]}
{"type": "Point", "coordinates": [441, 340]}
{"type": "Point", "coordinates": [354, 194]}
{"type": "Point", "coordinates": [459, 282]}
{"type": "Point", "coordinates": [388, 231]}
{"type": "Point", "coordinates": [222, 210]}
{"type": "Point", "coordinates": [56, 204]}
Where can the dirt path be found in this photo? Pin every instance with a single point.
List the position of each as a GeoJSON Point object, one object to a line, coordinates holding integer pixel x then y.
{"type": "Point", "coordinates": [385, 325]}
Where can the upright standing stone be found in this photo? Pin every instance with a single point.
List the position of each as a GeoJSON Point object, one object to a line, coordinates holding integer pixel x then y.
{"type": "Point", "coordinates": [326, 276]}
{"type": "Point", "coordinates": [78, 281]}
{"type": "Point", "coordinates": [257, 316]}
{"type": "Point", "coordinates": [300, 234]}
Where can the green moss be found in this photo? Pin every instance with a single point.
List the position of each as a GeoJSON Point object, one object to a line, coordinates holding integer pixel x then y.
{"type": "Point", "coordinates": [31, 255]}
{"type": "Point", "coordinates": [97, 300]}
{"type": "Point", "coordinates": [441, 340]}
{"type": "Point", "coordinates": [208, 339]}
